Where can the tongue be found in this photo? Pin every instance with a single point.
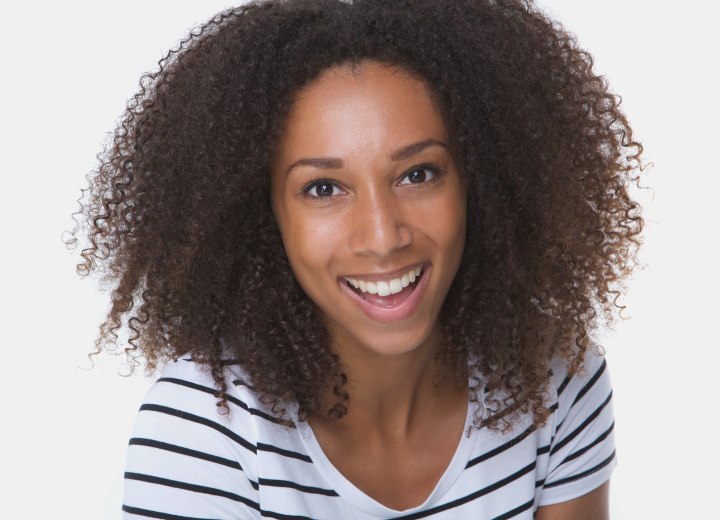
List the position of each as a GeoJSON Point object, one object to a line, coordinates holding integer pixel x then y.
{"type": "Point", "coordinates": [391, 300]}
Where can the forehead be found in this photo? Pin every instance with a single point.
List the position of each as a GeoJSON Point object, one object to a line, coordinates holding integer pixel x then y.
{"type": "Point", "coordinates": [372, 106]}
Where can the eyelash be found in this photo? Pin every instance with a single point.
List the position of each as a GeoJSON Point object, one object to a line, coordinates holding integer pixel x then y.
{"type": "Point", "coordinates": [435, 170]}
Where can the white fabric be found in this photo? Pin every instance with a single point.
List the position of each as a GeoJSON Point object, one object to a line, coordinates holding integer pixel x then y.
{"type": "Point", "coordinates": [186, 461]}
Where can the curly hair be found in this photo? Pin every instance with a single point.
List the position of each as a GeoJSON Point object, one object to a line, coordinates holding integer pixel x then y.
{"type": "Point", "coordinates": [179, 220]}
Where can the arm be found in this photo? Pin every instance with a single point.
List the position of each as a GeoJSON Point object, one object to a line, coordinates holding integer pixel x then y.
{"type": "Point", "coordinates": [592, 506]}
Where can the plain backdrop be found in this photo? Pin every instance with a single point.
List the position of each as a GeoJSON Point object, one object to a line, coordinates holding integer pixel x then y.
{"type": "Point", "coordinates": [67, 70]}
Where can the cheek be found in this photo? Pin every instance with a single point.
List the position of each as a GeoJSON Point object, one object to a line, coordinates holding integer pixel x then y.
{"type": "Point", "coordinates": [452, 233]}
{"type": "Point", "coordinates": [311, 243]}
{"type": "Point", "coordinates": [446, 222]}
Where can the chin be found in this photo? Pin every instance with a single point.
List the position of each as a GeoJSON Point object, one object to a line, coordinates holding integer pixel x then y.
{"type": "Point", "coordinates": [391, 343]}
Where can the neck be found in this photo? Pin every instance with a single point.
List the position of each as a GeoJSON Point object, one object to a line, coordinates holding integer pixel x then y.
{"type": "Point", "coordinates": [392, 395]}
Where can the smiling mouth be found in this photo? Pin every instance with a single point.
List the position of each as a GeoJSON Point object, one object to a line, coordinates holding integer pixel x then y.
{"type": "Point", "coordinates": [387, 293]}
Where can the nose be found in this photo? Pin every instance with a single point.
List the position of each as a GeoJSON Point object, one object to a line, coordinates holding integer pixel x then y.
{"type": "Point", "coordinates": [379, 226]}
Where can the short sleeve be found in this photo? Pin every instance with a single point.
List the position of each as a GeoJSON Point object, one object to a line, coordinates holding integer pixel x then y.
{"type": "Point", "coordinates": [582, 451]}
{"type": "Point", "coordinates": [185, 461]}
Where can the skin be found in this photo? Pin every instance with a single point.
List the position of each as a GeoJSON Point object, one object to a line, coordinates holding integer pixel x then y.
{"type": "Point", "coordinates": [592, 506]}
{"type": "Point", "coordinates": [375, 221]}
{"type": "Point", "coordinates": [363, 210]}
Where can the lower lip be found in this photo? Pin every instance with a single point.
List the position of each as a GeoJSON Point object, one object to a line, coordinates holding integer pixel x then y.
{"type": "Point", "coordinates": [390, 314]}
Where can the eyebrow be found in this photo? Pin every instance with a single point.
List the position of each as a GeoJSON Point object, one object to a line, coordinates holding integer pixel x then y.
{"type": "Point", "coordinates": [329, 163]}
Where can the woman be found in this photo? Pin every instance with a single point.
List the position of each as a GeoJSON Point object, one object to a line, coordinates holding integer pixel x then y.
{"type": "Point", "coordinates": [371, 240]}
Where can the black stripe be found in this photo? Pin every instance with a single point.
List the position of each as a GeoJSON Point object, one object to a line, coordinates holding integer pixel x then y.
{"type": "Point", "coordinates": [543, 450]}
{"type": "Point", "coordinates": [553, 408]}
{"type": "Point", "coordinates": [597, 441]}
{"type": "Point", "coordinates": [232, 399]}
{"type": "Point", "coordinates": [563, 385]}
{"type": "Point", "coordinates": [469, 498]}
{"type": "Point", "coordinates": [582, 426]}
{"type": "Point", "coordinates": [516, 511]}
{"type": "Point", "coordinates": [157, 514]}
{"type": "Point", "coordinates": [590, 383]}
{"type": "Point", "coordinates": [299, 487]}
{"type": "Point", "coordinates": [200, 420]}
{"type": "Point", "coordinates": [501, 448]}
{"type": "Point", "coordinates": [583, 390]}
{"type": "Point", "coordinates": [225, 431]}
{"type": "Point", "coordinates": [281, 451]}
{"type": "Point", "coordinates": [282, 516]}
{"type": "Point", "coordinates": [138, 441]}
{"type": "Point", "coordinates": [583, 474]}
{"type": "Point", "coordinates": [508, 444]}
{"type": "Point", "coordinates": [191, 487]}
{"type": "Point", "coordinates": [539, 483]}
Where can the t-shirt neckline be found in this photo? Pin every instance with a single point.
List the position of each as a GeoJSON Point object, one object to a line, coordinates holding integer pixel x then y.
{"type": "Point", "coordinates": [354, 496]}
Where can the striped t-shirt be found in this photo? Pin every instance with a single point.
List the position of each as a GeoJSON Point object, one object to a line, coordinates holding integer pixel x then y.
{"type": "Point", "coordinates": [185, 461]}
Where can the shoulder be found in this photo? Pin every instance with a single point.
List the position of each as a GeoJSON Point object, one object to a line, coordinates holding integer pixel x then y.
{"type": "Point", "coordinates": [185, 456]}
{"type": "Point", "coordinates": [189, 384]}
{"type": "Point", "coordinates": [589, 383]}
{"type": "Point", "coordinates": [184, 398]}
{"type": "Point", "coordinates": [582, 446]}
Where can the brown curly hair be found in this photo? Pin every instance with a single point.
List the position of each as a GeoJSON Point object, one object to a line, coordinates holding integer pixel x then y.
{"type": "Point", "coordinates": [179, 220]}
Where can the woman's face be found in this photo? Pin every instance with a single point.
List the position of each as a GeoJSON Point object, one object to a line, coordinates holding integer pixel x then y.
{"type": "Point", "coordinates": [366, 194]}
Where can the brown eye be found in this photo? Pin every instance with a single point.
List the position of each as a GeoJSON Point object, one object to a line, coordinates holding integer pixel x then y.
{"type": "Point", "coordinates": [420, 175]}
{"type": "Point", "coordinates": [321, 189]}
{"type": "Point", "coordinates": [417, 176]}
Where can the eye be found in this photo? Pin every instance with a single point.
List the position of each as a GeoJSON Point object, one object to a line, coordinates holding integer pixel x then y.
{"type": "Point", "coordinates": [322, 188]}
{"type": "Point", "coordinates": [421, 174]}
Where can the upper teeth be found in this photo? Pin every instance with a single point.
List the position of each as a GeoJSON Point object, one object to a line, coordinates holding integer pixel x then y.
{"type": "Point", "coordinates": [385, 287]}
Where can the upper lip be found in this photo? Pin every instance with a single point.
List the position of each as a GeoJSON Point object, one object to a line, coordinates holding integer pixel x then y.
{"type": "Point", "coordinates": [387, 275]}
